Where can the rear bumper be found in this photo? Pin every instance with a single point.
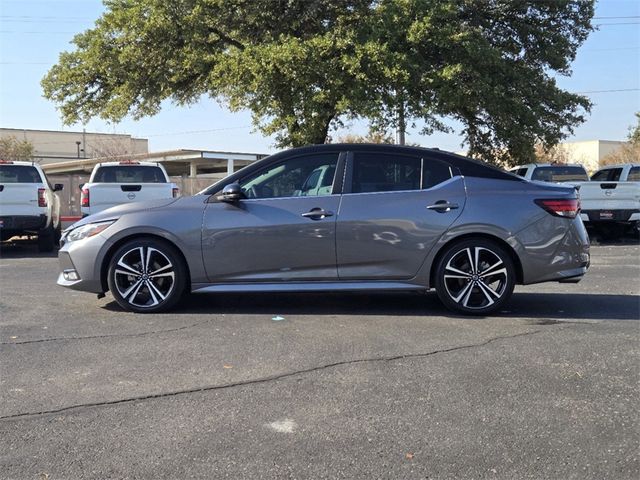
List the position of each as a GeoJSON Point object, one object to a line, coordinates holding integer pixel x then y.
{"type": "Point", "coordinates": [610, 216]}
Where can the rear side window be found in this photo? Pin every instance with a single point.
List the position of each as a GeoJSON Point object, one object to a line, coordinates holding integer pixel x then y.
{"type": "Point", "coordinates": [560, 173]}
{"type": "Point", "coordinates": [19, 174]}
{"type": "Point", "coordinates": [608, 175]}
{"type": "Point", "coordinates": [634, 174]}
{"type": "Point", "coordinates": [130, 174]}
{"type": "Point", "coordinates": [376, 172]}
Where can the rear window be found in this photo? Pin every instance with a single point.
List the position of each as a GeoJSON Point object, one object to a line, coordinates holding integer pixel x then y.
{"type": "Point", "coordinates": [19, 174]}
{"type": "Point", "coordinates": [559, 173]}
{"type": "Point", "coordinates": [130, 174]}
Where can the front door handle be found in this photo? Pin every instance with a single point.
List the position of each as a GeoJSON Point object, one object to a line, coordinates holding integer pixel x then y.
{"type": "Point", "coordinates": [443, 206]}
{"type": "Point", "coordinates": [317, 214]}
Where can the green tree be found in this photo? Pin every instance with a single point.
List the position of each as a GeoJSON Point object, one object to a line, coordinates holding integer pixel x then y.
{"type": "Point", "coordinates": [303, 66]}
{"type": "Point", "coordinates": [13, 149]}
{"type": "Point", "coordinates": [634, 131]}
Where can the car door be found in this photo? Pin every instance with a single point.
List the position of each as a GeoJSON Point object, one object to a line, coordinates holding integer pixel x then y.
{"type": "Point", "coordinates": [282, 231]}
{"type": "Point", "coordinates": [393, 210]}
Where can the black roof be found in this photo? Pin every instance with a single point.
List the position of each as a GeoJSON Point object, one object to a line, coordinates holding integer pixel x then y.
{"type": "Point", "coordinates": [466, 166]}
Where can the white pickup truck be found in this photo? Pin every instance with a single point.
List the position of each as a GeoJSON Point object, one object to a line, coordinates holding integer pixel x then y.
{"type": "Point", "coordinates": [28, 204]}
{"type": "Point", "coordinates": [611, 200]}
{"type": "Point", "coordinates": [115, 183]}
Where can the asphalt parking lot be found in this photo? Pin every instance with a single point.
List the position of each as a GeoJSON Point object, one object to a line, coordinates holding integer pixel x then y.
{"type": "Point", "coordinates": [321, 386]}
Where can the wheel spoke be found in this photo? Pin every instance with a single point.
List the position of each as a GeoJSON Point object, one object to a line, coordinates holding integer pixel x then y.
{"type": "Point", "coordinates": [135, 288]}
{"type": "Point", "coordinates": [502, 271]}
{"type": "Point", "coordinates": [155, 272]}
{"type": "Point", "coordinates": [142, 265]}
{"type": "Point", "coordinates": [476, 261]}
{"type": "Point", "coordinates": [128, 267]}
{"type": "Point", "coordinates": [152, 294]}
{"type": "Point", "coordinates": [460, 272]}
{"type": "Point", "coordinates": [466, 289]}
{"type": "Point", "coordinates": [471, 264]}
{"type": "Point", "coordinates": [166, 274]}
{"type": "Point", "coordinates": [148, 260]}
{"type": "Point", "coordinates": [487, 270]}
{"type": "Point", "coordinates": [465, 276]}
{"type": "Point", "coordinates": [483, 289]}
{"type": "Point", "coordinates": [153, 288]}
{"type": "Point", "coordinates": [126, 273]}
{"type": "Point", "coordinates": [468, 295]}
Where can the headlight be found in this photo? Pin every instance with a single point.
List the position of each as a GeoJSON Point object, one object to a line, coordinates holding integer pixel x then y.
{"type": "Point", "coordinates": [85, 231]}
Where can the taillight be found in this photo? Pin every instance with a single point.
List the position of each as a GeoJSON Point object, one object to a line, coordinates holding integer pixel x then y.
{"type": "Point", "coordinates": [175, 192]}
{"type": "Point", "coordinates": [567, 208]}
{"type": "Point", "coordinates": [84, 198]}
{"type": "Point", "coordinates": [42, 199]}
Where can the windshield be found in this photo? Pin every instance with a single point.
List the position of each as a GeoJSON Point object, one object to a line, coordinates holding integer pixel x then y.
{"type": "Point", "coordinates": [130, 174]}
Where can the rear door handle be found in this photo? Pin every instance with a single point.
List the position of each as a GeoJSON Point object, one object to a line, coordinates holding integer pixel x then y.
{"type": "Point", "coordinates": [317, 214]}
{"type": "Point", "coordinates": [442, 206]}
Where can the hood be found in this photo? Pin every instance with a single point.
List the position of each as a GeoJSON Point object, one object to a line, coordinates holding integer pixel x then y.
{"type": "Point", "coordinates": [119, 210]}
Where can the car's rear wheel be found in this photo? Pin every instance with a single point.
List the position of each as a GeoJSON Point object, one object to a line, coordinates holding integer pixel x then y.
{"type": "Point", "coordinates": [475, 276]}
{"type": "Point", "coordinates": [146, 275]}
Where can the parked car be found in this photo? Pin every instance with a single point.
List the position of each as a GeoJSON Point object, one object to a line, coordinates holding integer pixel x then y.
{"type": "Point", "coordinates": [551, 172]}
{"type": "Point", "coordinates": [114, 183]}
{"type": "Point", "coordinates": [611, 200]}
{"type": "Point", "coordinates": [394, 218]}
{"type": "Point", "coordinates": [29, 204]}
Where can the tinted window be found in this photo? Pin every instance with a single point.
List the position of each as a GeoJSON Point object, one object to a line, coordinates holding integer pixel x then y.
{"type": "Point", "coordinates": [634, 174]}
{"type": "Point", "coordinates": [19, 174]}
{"type": "Point", "coordinates": [522, 172]}
{"type": "Point", "coordinates": [373, 172]}
{"type": "Point", "coordinates": [560, 173]}
{"type": "Point", "coordinates": [310, 175]}
{"type": "Point", "coordinates": [608, 175]}
{"type": "Point", "coordinates": [130, 174]}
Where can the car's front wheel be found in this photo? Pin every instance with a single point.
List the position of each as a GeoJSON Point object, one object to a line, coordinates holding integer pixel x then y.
{"type": "Point", "coordinates": [475, 276]}
{"type": "Point", "coordinates": [146, 275]}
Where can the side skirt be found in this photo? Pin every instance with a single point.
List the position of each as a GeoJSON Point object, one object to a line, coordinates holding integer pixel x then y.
{"type": "Point", "coordinates": [305, 287]}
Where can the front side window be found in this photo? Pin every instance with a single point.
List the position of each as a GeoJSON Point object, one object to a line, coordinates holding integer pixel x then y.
{"type": "Point", "coordinates": [374, 172]}
{"type": "Point", "coordinates": [309, 175]}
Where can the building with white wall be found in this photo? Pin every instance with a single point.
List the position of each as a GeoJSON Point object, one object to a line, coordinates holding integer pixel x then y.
{"type": "Point", "coordinates": [590, 152]}
{"type": "Point", "coordinates": [52, 146]}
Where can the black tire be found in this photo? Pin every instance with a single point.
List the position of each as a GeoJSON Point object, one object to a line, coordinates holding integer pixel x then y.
{"type": "Point", "coordinates": [135, 286]}
{"type": "Point", "coordinates": [46, 239]}
{"type": "Point", "coordinates": [475, 277]}
{"type": "Point", "coordinates": [57, 234]}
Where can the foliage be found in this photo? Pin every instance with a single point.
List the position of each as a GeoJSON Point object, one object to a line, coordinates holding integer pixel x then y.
{"type": "Point", "coordinates": [628, 152]}
{"type": "Point", "coordinates": [634, 131]}
{"type": "Point", "coordinates": [371, 137]}
{"type": "Point", "coordinates": [554, 154]}
{"type": "Point", "coordinates": [13, 149]}
{"type": "Point", "coordinates": [303, 66]}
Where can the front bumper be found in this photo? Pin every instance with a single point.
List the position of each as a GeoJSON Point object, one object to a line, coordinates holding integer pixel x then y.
{"type": "Point", "coordinates": [81, 264]}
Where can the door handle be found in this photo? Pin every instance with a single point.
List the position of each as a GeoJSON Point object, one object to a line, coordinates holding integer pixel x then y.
{"type": "Point", "coordinates": [317, 214]}
{"type": "Point", "coordinates": [443, 206]}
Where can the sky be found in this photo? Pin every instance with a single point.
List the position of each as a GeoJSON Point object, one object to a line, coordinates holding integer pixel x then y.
{"type": "Point", "coordinates": [34, 32]}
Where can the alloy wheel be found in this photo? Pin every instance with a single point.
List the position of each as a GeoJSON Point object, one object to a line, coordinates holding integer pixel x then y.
{"type": "Point", "coordinates": [144, 277]}
{"type": "Point", "coordinates": [476, 278]}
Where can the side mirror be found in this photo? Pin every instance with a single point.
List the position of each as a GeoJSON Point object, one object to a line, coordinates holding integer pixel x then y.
{"type": "Point", "coordinates": [231, 193]}
{"type": "Point", "coordinates": [58, 187]}
{"type": "Point", "coordinates": [80, 186]}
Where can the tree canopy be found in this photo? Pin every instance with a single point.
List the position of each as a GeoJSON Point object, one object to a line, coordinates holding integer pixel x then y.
{"type": "Point", "coordinates": [304, 66]}
{"type": "Point", "coordinates": [13, 149]}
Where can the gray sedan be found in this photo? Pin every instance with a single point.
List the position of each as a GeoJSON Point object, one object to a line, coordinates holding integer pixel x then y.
{"type": "Point", "coordinates": [336, 218]}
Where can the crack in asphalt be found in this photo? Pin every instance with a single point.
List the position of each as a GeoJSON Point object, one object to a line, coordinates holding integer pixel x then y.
{"type": "Point", "coordinates": [115, 335]}
{"type": "Point", "coordinates": [270, 378]}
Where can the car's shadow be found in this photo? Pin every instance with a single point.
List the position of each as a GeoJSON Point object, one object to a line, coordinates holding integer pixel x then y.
{"type": "Point", "coordinates": [24, 248]}
{"type": "Point", "coordinates": [537, 307]}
